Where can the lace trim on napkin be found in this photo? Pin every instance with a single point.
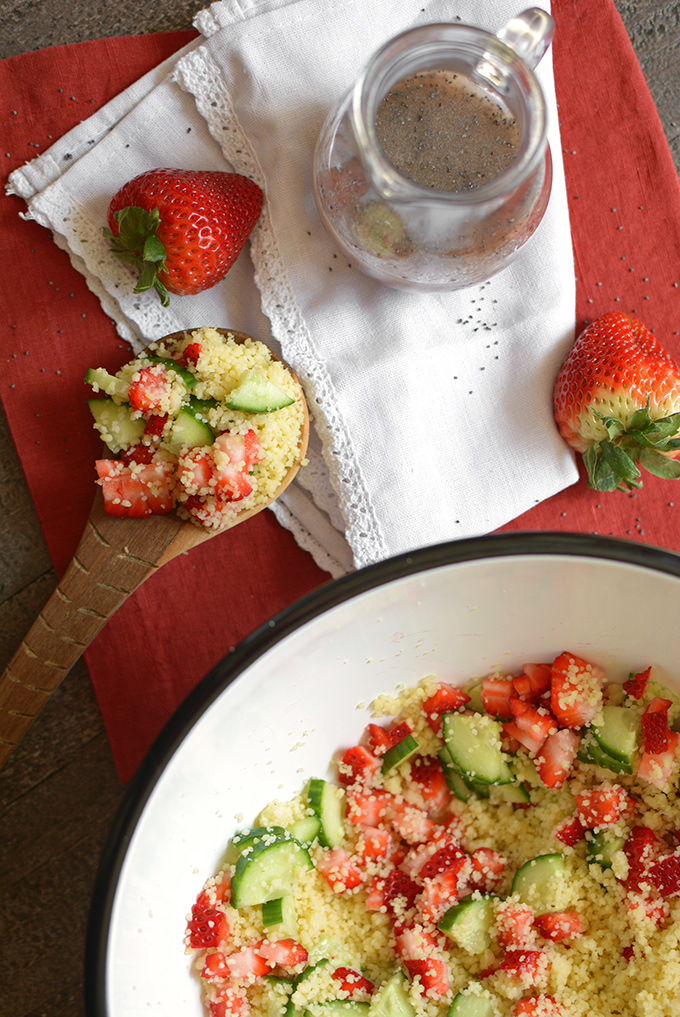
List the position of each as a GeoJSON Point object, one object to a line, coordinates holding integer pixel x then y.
{"type": "Point", "coordinates": [200, 75]}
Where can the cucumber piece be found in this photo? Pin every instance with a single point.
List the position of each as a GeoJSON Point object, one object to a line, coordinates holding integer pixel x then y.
{"type": "Point", "coordinates": [280, 914]}
{"type": "Point", "coordinates": [454, 781]}
{"type": "Point", "coordinates": [516, 793]}
{"type": "Point", "coordinates": [469, 923]}
{"type": "Point", "coordinates": [275, 995]}
{"type": "Point", "coordinates": [184, 373]}
{"type": "Point", "coordinates": [255, 393]}
{"type": "Point", "coordinates": [115, 424]}
{"type": "Point", "coordinates": [392, 998]}
{"type": "Point", "coordinates": [540, 883]}
{"type": "Point", "coordinates": [399, 753]}
{"type": "Point", "coordinates": [602, 846]}
{"type": "Point", "coordinates": [327, 801]}
{"type": "Point", "coordinates": [265, 871]}
{"type": "Point", "coordinates": [201, 407]}
{"type": "Point", "coordinates": [475, 702]}
{"type": "Point", "coordinates": [106, 383]}
{"type": "Point", "coordinates": [590, 751]}
{"type": "Point", "coordinates": [338, 1008]}
{"type": "Point", "coordinates": [188, 431]}
{"type": "Point", "coordinates": [619, 733]}
{"type": "Point", "coordinates": [469, 1004]}
{"type": "Point", "coordinates": [473, 743]}
{"type": "Point", "coordinates": [305, 830]}
{"type": "Point", "coordinates": [246, 838]}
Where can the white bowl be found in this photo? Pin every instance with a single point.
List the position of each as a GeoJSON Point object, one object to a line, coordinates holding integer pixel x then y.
{"type": "Point", "coordinates": [274, 711]}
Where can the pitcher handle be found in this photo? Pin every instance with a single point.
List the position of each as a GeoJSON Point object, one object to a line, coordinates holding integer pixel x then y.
{"type": "Point", "coordinates": [529, 34]}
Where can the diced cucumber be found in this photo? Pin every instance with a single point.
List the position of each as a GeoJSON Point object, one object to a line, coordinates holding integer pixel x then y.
{"type": "Point", "coordinates": [399, 753]}
{"type": "Point", "coordinates": [338, 1008]}
{"type": "Point", "coordinates": [266, 871]}
{"type": "Point", "coordinates": [246, 838]}
{"type": "Point", "coordinates": [107, 383]}
{"type": "Point", "coordinates": [184, 373]}
{"type": "Point", "coordinates": [115, 424]}
{"type": "Point", "coordinates": [516, 793]}
{"type": "Point", "coordinates": [602, 846]}
{"type": "Point", "coordinates": [392, 998]}
{"type": "Point", "coordinates": [454, 781]}
{"type": "Point", "coordinates": [275, 994]}
{"type": "Point", "coordinates": [327, 801]}
{"type": "Point", "coordinates": [471, 1004]}
{"type": "Point", "coordinates": [590, 751]}
{"type": "Point", "coordinates": [188, 431]}
{"type": "Point", "coordinates": [619, 733]}
{"type": "Point", "coordinates": [305, 830]}
{"type": "Point", "coordinates": [280, 914]}
{"type": "Point", "coordinates": [255, 393]}
{"type": "Point", "coordinates": [540, 882]}
{"type": "Point", "coordinates": [469, 923]}
{"type": "Point", "coordinates": [473, 743]}
{"type": "Point", "coordinates": [201, 407]}
{"type": "Point", "coordinates": [329, 950]}
{"type": "Point", "coordinates": [475, 702]}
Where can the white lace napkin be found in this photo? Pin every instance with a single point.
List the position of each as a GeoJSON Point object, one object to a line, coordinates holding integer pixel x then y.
{"type": "Point", "coordinates": [432, 412]}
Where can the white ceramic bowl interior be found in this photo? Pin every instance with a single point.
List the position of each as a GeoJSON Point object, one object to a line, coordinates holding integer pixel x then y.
{"type": "Point", "coordinates": [277, 709]}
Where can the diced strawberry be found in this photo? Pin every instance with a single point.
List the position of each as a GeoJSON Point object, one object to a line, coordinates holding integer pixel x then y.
{"type": "Point", "coordinates": [636, 685]}
{"type": "Point", "coordinates": [508, 743]}
{"type": "Point", "coordinates": [413, 942]}
{"type": "Point", "coordinates": [155, 424]}
{"type": "Point", "coordinates": [358, 766]}
{"type": "Point", "coordinates": [215, 967]}
{"type": "Point", "coordinates": [410, 822]}
{"type": "Point", "coordinates": [555, 757]}
{"type": "Point", "coordinates": [488, 867]}
{"type": "Point", "coordinates": [602, 806]}
{"type": "Point", "coordinates": [559, 925]}
{"type": "Point", "coordinates": [374, 844]}
{"type": "Point", "coordinates": [399, 892]}
{"type": "Point", "coordinates": [439, 893]}
{"type": "Point", "coordinates": [538, 1006]}
{"type": "Point", "coordinates": [641, 848]}
{"type": "Point", "coordinates": [233, 456]}
{"type": "Point", "coordinates": [353, 983]}
{"type": "Point", "coordinates": [400, 731]}
{"type": "Point", "coordinates": [195, 471]}
{"type": "Point", "coordinates": [139, 454]}
{"type": "Point", "coordinates": [664, 875]}
{"type": "Point", "coordinates": [446, 699]}
{"type": "Point", "coordinates": [231, 1001]}
{"type": "Point", "coordinates": [190, 354]}
{"type": "Point", "coordinates": [338, 870]}
{"type": "Point", "coordinates": [451, 857]}
{"type": "Point", "coordinates": [366, 808]}
{"type": "Point", "coordinates": [656, 767]}
{"type": "Point", "coordinates": [208, 926]}
{"type": "Point", "coordinates": [427, 772]}
{"type": "Point", "coordinates": [496, 693]}
{"type": "Point", "coordinates": [216, 891]}
{"type": "Point", "coordinates": [570, 831]}
{"type": "Point", "coordinates": [535, 724]}
{"type": "Point", "coordinates": [150, 389]}
{"type": "Point", "coordinates": [530, 966]}
{"type": "Point", "coordinates": [283, 953]}
{"type": "Point", "coordinates": [515, 927]}
{"type": "Point", "coordinates": [654, 723]}
{"type": "Point", "coordinates": [375, 895]}
{"type": "Point", "coordinates": [575, 690]}
{"type": "Point", "coordinates": [135, 492]}
{"type": "Point", "coordinates": [377, 739]}
{"type": "Point", "coordinates": [656, 911]}
{"type": "Point", "coordinates": [524, 737]}
{"type": "Point", "coordinates": [521, 687]}
{"type": "Point", "coordinates": [246, 964]}
{"type": "Point", "coordinates": [540, 677]}
{"type": "Point", "coordinates": [433, 973]}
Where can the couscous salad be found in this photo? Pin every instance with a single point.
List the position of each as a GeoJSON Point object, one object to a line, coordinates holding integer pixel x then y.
{"type": "Point", "coordinates": [502, 849]}
{"type": "Point", "coordinates": [201, 423]}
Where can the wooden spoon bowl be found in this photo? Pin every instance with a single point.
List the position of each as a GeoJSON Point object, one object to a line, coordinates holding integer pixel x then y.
{"type": "Point", "coordinates": [113, 558]}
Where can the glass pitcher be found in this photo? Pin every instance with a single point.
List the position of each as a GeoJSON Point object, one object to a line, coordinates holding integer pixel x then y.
{"type": "Point", "coordinates": [435, 169]}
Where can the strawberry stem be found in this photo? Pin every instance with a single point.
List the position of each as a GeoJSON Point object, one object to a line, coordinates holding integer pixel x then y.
{"type": "Point", "coordinates": [137, 244]}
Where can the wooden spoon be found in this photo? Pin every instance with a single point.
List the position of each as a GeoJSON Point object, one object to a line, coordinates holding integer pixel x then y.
{"type": "Point", "coordinates": [113, 558]}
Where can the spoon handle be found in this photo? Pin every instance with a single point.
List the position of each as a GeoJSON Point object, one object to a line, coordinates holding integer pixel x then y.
{"type": "Point", "coordinates": [113, 558]}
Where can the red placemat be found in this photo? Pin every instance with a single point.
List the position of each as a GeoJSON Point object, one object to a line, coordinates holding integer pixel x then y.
{"type": "Point", "coordinates": [624, 199]}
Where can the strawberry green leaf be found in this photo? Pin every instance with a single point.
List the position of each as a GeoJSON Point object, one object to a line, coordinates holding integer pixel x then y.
{"type": "Point", "coordinates": [610, 468]}
{"type": "Point", "coordinates": [658, 465]}
{"type": "Point", "coordinates": [137, 243]}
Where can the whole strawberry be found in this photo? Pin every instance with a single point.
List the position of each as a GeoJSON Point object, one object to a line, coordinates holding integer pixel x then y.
{"type": "Point", "coordinates": [617, 400]}
{"type": "Point", "coordinates": [182, 229]}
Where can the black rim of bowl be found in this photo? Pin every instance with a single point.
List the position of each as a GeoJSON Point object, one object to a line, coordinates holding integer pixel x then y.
{"type": "Point", "coordinates": [262, 639]}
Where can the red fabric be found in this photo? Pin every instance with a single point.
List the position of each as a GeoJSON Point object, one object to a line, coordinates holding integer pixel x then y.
{"type": "Point", "coordinates": [624, 200]}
